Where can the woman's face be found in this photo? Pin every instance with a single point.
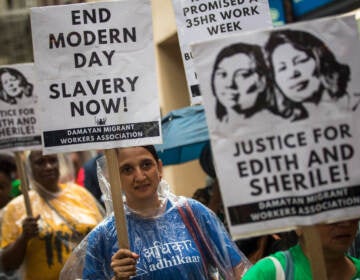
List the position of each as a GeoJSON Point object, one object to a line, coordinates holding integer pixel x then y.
{"type": "Point", "coordinates": [236, 82]}
{"type": "Point", "coordinates": [45, 169]}
{"type": "Point", "coordinates": [11, 84]}
{"type": "Point", "coordinates": [140, 175]}
{"type": "Point", "coordinates": [294, 73]}
{"type": "Point", "coordinates": [336, 238]}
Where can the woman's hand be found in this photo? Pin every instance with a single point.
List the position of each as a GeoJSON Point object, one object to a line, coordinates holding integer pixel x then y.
{"type": "Point", "coordinates": [123, 263]}
{"type": "Point", "coordinates": [30, 228]}
{"type": "Point", "coordinates": [14, 254]}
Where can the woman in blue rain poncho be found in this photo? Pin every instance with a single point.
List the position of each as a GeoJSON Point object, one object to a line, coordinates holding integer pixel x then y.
{"type": "Point", "coordinates": [170, 237]}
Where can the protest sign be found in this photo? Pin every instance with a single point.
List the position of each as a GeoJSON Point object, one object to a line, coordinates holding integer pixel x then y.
{"type": "Point", "coordinates": [96, 68]}
{"type": "Point", "coordinates": [19, 129]}
{"type": "Point", "coordinates": [282, 110]}
{"type": "Point", "coordinates": [19, 125]}
{"type": "Point", "coordinates": [208, 19]}
{"type": "Point", "coordinates": [98, 84]}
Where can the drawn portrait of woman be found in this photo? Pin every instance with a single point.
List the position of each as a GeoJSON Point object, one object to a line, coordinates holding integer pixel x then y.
{"type": "Point", "coordinates": [239, 81]}
{"type": "Point", "coordinates": [303, 71]}
{"type": "Point", "coordinates": [13, 85]}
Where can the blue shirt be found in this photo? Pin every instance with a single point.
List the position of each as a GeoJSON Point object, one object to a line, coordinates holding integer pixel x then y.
{"type": "Point", "coordinates": [164, 244]}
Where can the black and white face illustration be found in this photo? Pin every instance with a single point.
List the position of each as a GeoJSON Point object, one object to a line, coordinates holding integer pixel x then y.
{"type": "Point", "coordinates": [237, 84]}
{"type": "Point", "coordinates": [11, 84]}
{"type": "Point", "coordinates": [294, 73]}
{"type": "Point", "coordinates": [303, 70]}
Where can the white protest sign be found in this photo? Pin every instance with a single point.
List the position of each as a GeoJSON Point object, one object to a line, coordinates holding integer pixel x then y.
{"type": "Point", "coordinates": [200, 20]}
{"type": "Point", "coordinates": [19, 128]}
{"type": "Point", "coordinates": [96, 67]}
{"type": "Point", "coordinates": [284, 132]}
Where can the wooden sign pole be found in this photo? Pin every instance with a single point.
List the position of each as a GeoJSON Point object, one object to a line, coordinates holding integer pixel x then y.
{"type": "Point", "coordinates": [314, 252]}
{"type": "Point", "coordinates": [24, 182]}
{"type": "Point", "coordinates": [116, 193]}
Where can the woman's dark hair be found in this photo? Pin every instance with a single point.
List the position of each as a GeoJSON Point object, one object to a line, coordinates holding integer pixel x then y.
{"type": "Point", "coordinates": [26, 86]}
{"type": "Point", "coordinates": [256, 54]}
{"type": "Point", "coordinates": [7, 165]}
{"type": "Point", "coordinates": [271, 245]}
{"type": "Point", "coordinates": [337, 75]}
{"type": "Point", "coordinates": [206, 161]}
{"type": "Point", "coordinates": [151, 149]}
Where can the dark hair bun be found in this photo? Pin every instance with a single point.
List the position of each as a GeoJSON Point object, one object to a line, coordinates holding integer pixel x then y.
{"type": "Point", "coordinates": [206, 161]}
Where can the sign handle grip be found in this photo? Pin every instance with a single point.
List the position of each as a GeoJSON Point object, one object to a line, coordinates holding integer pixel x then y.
{"type": "Point", "coordinates": [24, 182]}
{"type": "Point", "coordinates": [116, 193]}
{"type": "Point", "coordinates": [315, 253]}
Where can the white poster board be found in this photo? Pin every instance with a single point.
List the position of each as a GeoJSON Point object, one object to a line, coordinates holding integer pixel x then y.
{"type": "Point", "coordinates": [19, 128]}
{"type": "Point", "coordinates": [207, 19]}
{"type": "Point", "coordinates": [283, 115]}
{"type": "Point", "coordinates": [96, 68]}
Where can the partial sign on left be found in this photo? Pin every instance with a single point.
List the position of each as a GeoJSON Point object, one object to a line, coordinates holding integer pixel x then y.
{"type": "Point", "coordinates": [98, 86]}
{"type": "Point", "coordinates": [19, 128]}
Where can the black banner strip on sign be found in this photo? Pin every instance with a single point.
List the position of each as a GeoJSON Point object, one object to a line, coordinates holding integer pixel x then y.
{"type": "Point", "coordinates": [107, 133]}
{"type": "Point", "coordinates": [295, 206]}
{"type": "Point", "coordinates": [20, 142]}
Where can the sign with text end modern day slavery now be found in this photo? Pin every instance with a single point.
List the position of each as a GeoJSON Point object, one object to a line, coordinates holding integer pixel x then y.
{"type": "Point", "coordinates": [97, 86]}
{"type": "Point", "coordinates": [201, 20]}
{"type": "Point", "coordinates": [286, 145]}
{"type": "Point", "coordinates": [19, 129]}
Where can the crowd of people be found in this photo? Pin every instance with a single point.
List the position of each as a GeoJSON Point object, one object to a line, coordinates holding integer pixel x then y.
{"type": "Point", "coordinates": [67, 235]}
{"type": "Point", "coordinates": [170, 236]}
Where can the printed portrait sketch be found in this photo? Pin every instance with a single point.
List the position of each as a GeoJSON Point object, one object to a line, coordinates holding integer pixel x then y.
{"type": "Point", "coordinates": [304, 72]}
{"type": "Point", "coordinates": [239, 82]}
{"type": "Point", "coordinates": [13, 86]}
{"type": "Point", "coordinates": [292, 71]}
